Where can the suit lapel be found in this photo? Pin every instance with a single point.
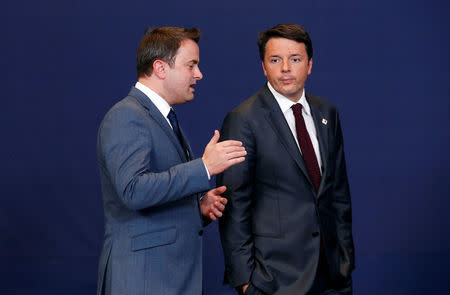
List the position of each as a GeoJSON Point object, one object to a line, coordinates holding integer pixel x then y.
{"type": "Point", "coordinates": [284, 133]}
{"type": "Point", "coordinates": [321, 124]}
{"type": "Point", "coordinates": [159, 118]}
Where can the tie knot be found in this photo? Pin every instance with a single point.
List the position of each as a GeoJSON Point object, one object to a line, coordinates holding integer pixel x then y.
{"type": "Point", "coordinates": [297, 108]}
{"type": "Point", "coordinates": [171, 114]}
{"type": "Point", "coordinates": [173, 119]}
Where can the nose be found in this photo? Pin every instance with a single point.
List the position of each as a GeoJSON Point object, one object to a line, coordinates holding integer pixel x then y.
{"type": "Point", "coordinates": [198, 74]}
{"type": "Point", "coordinates": [285, 66]}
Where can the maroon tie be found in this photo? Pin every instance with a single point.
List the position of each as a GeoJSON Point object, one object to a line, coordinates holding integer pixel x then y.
{"type": "Point", "coordinates": [309, 156]}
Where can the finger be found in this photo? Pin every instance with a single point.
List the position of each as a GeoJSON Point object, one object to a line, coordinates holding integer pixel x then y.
{"type": "Point", "coordinates": [215, 137]}
{"type": "Point", "coordinates": [224, 201]}
{"type": "Point", "coordinates": [212, 217]}
{"type": "Point", "coordinates": [234, 161]}
{"type": "Point", "coordinates": [218, 190]}
{"type": "Point", "coordinates": [234, 155]}
{"type": "Point", "coordinates": [219, 206]}
{"type": "Point", "coordinates": [214, 192]}
{"type": "Point", "coordinates": [233, 148]}
{"type": "Point", "coordinates": [216, 212]}
{"type": "Point", "coordinates": [231, 143]}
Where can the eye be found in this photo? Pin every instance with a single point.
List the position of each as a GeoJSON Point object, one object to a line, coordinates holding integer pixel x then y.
{"type": "Point", "coordinates": [275, 60]}
{"type": "Point", "coordinates": [296, 59]}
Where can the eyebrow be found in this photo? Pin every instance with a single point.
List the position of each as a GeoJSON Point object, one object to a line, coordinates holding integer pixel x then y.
{"type": "Point", "coordinates": [194, 61]}
{"type": "Point", "coordinates": [295, 54]}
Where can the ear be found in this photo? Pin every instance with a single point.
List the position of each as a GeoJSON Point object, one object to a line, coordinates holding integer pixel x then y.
{"type": "Point", "coordinates": [310, 62]}
{"type": "Point", "coordinates": [264, 68]}
{"type": "Point", "coordinates": [159, 69]}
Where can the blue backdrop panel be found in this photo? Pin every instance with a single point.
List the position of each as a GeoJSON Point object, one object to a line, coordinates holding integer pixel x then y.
{"type": "Point", "coordinates": [385, 64]}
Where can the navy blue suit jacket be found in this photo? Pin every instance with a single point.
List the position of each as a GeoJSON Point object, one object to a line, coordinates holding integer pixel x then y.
{"type": "Point", "coordinates": [152, 242]}
{"type": "Point", "coordinates": [274, 220]}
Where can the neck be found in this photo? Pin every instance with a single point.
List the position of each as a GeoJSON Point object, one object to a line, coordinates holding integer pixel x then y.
{"type": "Point", "coordinates": [156, 85]}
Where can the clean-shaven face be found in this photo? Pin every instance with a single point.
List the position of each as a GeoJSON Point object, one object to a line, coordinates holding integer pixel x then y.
{"type": "Point", "coordinates": [184, 74]}
{"type": "Point", "coordinates": [286, 66]}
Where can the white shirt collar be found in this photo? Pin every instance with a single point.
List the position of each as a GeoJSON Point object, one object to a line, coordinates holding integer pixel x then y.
{"type": "Point", "coordinates": [157, 100]}
{"type": "Point", "coordinates": [285, 103]}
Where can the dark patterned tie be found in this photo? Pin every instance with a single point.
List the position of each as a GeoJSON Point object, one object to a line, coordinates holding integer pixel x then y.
{"type": "Point", "coordinates": [309, 156]}
{"type": "Point", "coordinates": [176, 129]}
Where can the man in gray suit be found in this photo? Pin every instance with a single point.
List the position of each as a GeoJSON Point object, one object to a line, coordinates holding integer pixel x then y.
{"type": "Point", "coordinates": [151, 183]}
{"type": "Point", "coordinates": [287, 226]}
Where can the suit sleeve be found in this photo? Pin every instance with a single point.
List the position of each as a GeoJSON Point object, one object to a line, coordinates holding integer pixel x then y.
{"type": "Point", "coordinates": [235, 226]}
{"type": "Point", "coordinates": [125, 147]}
{"type": "Point", "coordinates": [342, 206]}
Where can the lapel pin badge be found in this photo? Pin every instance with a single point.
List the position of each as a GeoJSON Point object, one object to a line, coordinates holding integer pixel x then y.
{"type": "Point", "coordinates": [324, 121]}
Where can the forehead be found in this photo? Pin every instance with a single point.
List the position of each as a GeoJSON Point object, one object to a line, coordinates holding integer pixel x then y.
{"type": "Point", "coordinates": [283, 46]}
{"type": "Point", "coordinates": [188, 51]}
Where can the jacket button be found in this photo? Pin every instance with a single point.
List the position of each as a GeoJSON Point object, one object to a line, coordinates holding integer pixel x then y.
{"type": "Point", "coordinates": [200, 232]}
{"type": "Point", "coordinates": [315, 234]}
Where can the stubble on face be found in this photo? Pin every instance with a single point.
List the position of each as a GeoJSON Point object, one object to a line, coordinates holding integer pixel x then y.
{"type": "Point", "coordinates": [286, 66]}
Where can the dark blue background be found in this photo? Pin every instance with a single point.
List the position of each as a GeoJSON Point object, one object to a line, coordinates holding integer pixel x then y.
{"type": "Point", "coordinates": [384, 63]}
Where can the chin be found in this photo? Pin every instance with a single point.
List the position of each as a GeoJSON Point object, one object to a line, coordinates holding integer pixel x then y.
{"type": "Point", "coordinates": [287, 93]}
{"type": "Point", "coordinates": [284, 89]}
{"type": "Point", "coordinates": [294, 92]}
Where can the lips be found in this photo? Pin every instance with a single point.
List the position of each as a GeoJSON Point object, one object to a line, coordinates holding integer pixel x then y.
{"type": "Point", "coordinates": [287, 80]}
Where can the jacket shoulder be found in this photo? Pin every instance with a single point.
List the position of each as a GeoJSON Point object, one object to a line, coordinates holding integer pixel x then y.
{"type": "Point", "coordinates": [125, 108]}
{"type": "Point", "coordinates": [250, 106]}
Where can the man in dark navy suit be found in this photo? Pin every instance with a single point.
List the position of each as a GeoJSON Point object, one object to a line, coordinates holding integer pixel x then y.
{"type": "Point", "coordinates": [287, 228]}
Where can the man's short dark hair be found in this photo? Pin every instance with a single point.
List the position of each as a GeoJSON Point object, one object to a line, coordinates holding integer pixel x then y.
{"type": "Point", "coordinates": [162, 43]}
{"type": "Point", "coordinates": [289, 31]}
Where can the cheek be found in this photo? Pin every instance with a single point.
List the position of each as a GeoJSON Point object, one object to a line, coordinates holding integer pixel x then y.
{"type": "Point", "coordinates": [181, 80]}
{"type": "Point", "coordinates": [271, 76]}
{"type": "Point", "coordinates": [188, 77]}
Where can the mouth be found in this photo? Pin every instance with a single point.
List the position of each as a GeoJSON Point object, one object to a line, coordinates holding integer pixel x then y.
{"type": "Point", "coordinates": [191, 87]}
{"type": "Point", "coordinates": [287, 80]}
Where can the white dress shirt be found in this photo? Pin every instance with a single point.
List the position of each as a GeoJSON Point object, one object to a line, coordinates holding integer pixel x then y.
{"type": "Point", "coordinates": [285, 106]}
{"type": "Point", "coordinates": [161, 104]}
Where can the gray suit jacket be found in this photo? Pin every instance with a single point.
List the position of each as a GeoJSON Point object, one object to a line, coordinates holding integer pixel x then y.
{"type": "Point", "coordinates": [152, 242]}
{"type": "Point", "coordinates": [273, 222]}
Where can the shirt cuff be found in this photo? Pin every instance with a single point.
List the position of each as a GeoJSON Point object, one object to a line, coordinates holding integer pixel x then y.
{"type": "Point", "coordinates": [207, 172]}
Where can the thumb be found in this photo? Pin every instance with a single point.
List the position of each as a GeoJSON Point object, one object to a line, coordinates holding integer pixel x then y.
{"type": "Point", "coordinates": [215, 137]}
{"type": "Point", "coordinates": [220, 190]}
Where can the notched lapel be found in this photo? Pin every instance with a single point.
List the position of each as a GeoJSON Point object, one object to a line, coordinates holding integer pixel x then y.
{"type": "Point", "coordinates": [278, 122]}
{"type": "Point", "coordinates": [321, 124]}
{"type": "Point", "coordinates": [159, 118]}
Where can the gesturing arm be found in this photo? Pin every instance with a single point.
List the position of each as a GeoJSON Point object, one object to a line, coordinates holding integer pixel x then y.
{"type": "Point", "coordinates": [126, 147]}
{"type": "Point", "coordinates": [127, 152]}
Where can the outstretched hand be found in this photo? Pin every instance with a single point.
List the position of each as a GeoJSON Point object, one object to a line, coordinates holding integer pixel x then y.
{"type": "Point", "coordinates": [219, 156]}
{"type": "Point", "coordinates": [212, 204]}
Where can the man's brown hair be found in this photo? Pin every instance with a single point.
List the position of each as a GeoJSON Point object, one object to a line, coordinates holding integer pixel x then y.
{"type": "Point", "coordinates": [162, 43]}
